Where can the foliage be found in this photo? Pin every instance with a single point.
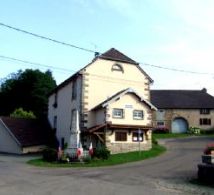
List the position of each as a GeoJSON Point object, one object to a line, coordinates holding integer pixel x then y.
{"type": "Point", "coordinates": [49, 154]}
{"type": "Point", "coordinates": [101, 153]}
{"type": "Point", "coordinates": [207, 131]}
{"type": "Point", "coordinates": [160, 130]}
{"type": "Point", "coordinates": [209, 148]}
{"type": "Point", "coordinates": [27, 89]}
{"type": "Point", "coordinates": [114, 159]}
{"type": "Point", "coordinates": [20, 113]}
{"type": "Point", "coordinates": [194, 130]}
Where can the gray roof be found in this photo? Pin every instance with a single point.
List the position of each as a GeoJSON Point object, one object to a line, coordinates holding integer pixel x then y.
{"type": "Point", "coordinates": [182, 99]}
{"type": "Point", "coordinates": [28, 132]}
{"type": "Point", "coordinates": [114, 54]}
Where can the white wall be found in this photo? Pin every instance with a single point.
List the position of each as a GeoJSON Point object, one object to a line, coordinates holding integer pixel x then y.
{"type": "Point", "coordinates": [7, 142]}
{"type": "Point", "coordinates": [65, 105]}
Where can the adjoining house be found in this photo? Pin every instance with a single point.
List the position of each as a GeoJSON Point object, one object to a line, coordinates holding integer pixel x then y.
{"type": "Point", "coordinates": [111, 96]}
{"type": "Point", "coordinates": [21, 136]}
{"type": "Point", "coordinates": [180, 109]}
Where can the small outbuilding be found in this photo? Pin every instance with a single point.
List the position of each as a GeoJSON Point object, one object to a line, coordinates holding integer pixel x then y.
{"type": "Point", "coordinates": [21, 136]}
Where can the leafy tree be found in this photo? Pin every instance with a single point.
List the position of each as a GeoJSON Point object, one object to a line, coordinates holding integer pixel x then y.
{"type": "Point", "coordinates": [28, 90]}
{"type": "Point", "coordinates": [20, 113]}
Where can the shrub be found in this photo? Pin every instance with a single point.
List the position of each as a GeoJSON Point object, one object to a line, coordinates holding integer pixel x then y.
{"type": "Point", "coordinates": [194, 130]}
{"type": "Point", "coordinates": [49, 154]}
{"type": "Point", "coordinates": [101, 153]}
{"type": "Point", "coordinates": [160, 130]}
{"type": "Point", "coordinates": [20, 113]}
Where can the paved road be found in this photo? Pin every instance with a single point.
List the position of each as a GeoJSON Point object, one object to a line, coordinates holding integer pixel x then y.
{"type": "Point", "coordinates": [167, 174]}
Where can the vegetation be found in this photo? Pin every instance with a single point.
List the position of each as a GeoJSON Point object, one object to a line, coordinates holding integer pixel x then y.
{"type": "Point", "coordinates": [20, 113]}
{"type": "Point", "coordinates": [102, 153]}
{"type": "Point", "coordinates": [28, 90]}
{"type": "Point", "coordinates": [114, 159]}
{"type": "Point", "coordinates": [49, 154]}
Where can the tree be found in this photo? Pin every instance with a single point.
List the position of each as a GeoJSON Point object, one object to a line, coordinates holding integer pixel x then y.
{"type": "Point", "coordinates": [27, 89]}
{"type": "Point", "coordinates": [20, 113]}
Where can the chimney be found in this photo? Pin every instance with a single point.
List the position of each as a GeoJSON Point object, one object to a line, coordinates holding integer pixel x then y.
{"type": "Point", "coordinates": [96, 54]}
{"type": "Point", "coordinates": [204, 90]}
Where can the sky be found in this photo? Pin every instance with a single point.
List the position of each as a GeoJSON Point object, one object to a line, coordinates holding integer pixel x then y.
{"type": "Point", "coordinates": [169, 33]}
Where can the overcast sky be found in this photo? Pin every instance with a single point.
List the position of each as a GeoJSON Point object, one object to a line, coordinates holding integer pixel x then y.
{"type": "Point", "coordinates": [170, 33]}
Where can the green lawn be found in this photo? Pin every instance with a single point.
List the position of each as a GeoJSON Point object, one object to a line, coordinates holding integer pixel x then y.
{"type": "Point", "coordinates": [114, 159]}
{"type": "Point", "coordinates": [179, 135]}
{"type": "Point", "coordinates": [170, 135]}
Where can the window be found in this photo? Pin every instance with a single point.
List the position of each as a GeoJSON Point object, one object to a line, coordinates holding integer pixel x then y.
{"type": "Point", "coordinates": [205, 111]}
{"type": "Point", "coordinates": [120, 136]}
{"type": "Point", "coordinates": [74, 90]}
{"type": "Point", "coordinates": [117, 67]}
{"type": "Point", "coordinates": [136, 137]}
{"type": "Point", "coordinates": [62, 143]}
{"type": "Point", "coordinates": [205, 121]}
{"type": "Point", "coordinates": [160, 123]}
{"type": "Point", "coordinates": [138, 114]}
{"type": "Point", "coordinates": [55, 100]}
{"type": "Point", "coordinates": [118, 113]}
{"type": "Point", "coordinates": [55, 122]}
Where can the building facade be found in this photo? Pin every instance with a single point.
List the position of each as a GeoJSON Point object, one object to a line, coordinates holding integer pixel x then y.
{"type": "Point", "coordinates": [111, 98]}
{"type": "Point", "coordinates": [178, 110]}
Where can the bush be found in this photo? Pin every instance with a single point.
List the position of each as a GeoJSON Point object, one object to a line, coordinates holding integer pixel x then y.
{"type": "Point", "coordinates": [49, 154]}
{"type": "Point", "coordinates": [160, 130]}
{"type": "Point", "coordinates": [194, 130]}
{"type": "Point", "coordinates": [20, 113]}
{"type": "Point", "coordinates": [101, 153]}
{"type": "Point", "coordinates": [207, 131]}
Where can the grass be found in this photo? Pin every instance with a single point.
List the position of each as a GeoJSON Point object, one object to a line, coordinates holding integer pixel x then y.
{"type": "Point", "coordinates": [179, 135]}
{"type": "Point", "coordinates": [114, 159]}
{"type": "Point", "coordinates": [170, 135]}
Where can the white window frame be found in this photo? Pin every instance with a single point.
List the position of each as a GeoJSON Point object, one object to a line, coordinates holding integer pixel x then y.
{"type": "Point", "coordinates": [118, 113]}
{"type": "Point", "coordinates": [138, 114]}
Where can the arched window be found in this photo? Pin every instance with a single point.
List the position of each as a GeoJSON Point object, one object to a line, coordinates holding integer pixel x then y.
{"type": "Point", "coordinates": [117, 67]}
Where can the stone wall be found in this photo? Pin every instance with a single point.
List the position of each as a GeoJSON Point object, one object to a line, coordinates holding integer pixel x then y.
{"type": "Point", "coordinates": [127, 147]}
{"type": "Point", "coordinates": [192, 116]}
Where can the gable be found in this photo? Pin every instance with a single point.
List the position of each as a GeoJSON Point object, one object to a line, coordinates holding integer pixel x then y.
{"type": "Point", "coordinates": [129, 101]}
{"type": "Point", "coordinates": [8, 142]}
{"type": "Point", "coordinates": [130, 93]}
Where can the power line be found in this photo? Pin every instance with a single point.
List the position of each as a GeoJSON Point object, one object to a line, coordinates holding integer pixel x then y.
{"type": "Point", "coordinates": [95, 52]}
{"type": "Point", "coordinates": [177, 70]}
{"type": "Point", "coordinates": [37, 64]}
{"type": "Point", "coordinates": [47, 38]}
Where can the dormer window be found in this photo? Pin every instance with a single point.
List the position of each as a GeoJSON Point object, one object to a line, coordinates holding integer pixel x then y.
{"type": "Point", "coordinates": [117, 67]}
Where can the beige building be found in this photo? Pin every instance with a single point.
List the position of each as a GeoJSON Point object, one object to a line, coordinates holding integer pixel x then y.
{"type": "Point", "coordinates": [178, 110]}
{"type": "Point", "coordinates": [111, 99]}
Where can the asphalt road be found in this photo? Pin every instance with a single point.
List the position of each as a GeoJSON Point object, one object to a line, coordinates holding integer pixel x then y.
{"type": "Point", "coordinates": [169, 173]}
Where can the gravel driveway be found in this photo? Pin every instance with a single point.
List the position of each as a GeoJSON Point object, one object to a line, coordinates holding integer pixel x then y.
{"type": "Point", "coordinates": [167, 174]}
